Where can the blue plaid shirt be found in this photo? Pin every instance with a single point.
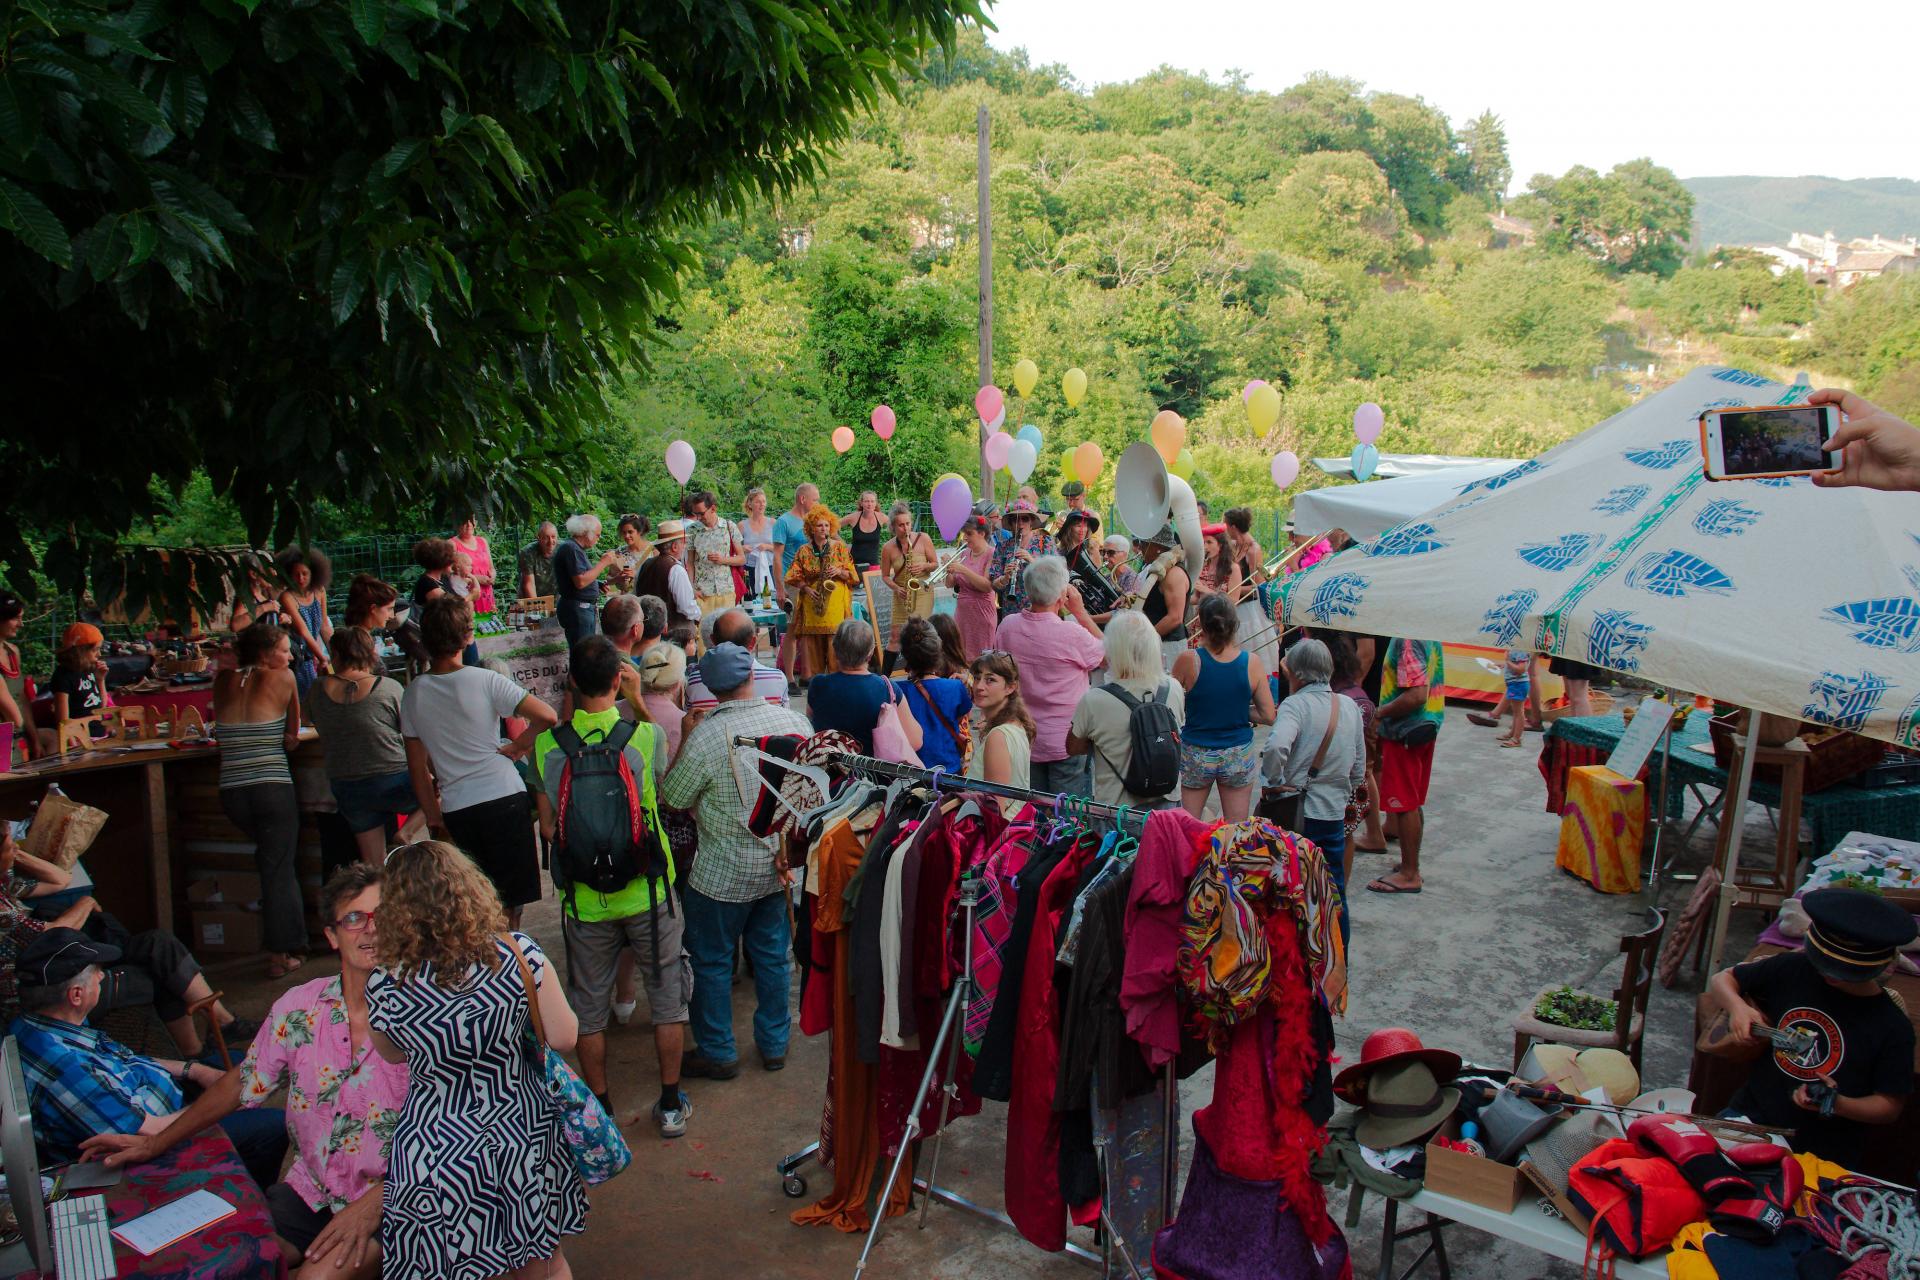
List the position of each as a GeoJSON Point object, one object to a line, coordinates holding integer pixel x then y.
{"type": "Point", "coordinates": [81, 1081]}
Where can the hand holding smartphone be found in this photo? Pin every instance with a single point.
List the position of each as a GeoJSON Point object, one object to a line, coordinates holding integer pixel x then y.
{"type": "Point", "coordinates": [1768, 441]}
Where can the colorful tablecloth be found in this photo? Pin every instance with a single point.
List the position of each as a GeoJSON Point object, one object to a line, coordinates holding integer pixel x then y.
{"type": "Point", "coordinates": [1602, 828]}
{"type": "Point", "coordinates": [240, 1245]}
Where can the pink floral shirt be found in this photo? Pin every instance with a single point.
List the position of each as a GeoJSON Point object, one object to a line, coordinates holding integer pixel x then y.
{"type": "Point", "coordinates": [341, 1111]}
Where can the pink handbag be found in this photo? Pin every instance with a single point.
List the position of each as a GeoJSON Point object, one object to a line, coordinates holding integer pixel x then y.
{"type": "Point", "coordinates": [889, 735]}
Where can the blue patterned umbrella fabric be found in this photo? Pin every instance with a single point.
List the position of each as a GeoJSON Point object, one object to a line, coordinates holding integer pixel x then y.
{"type": "Point", "coordinates": [1614, 549]}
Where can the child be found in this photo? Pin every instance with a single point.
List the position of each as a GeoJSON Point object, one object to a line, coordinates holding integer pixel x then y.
{"type": "Point", "coordinates": [80, 678]}
{"type": "Point", "coordinates": [1518, 686]}
{"type": "Point", "coordinates": [460, 579]}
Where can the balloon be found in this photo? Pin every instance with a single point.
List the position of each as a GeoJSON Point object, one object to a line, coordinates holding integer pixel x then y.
{"type": "Point", "coordinates": [997, 446]}
{"type": "Point", "coordinates": [1168, 433]}
{"type": "Point", "coordinates": [1021, 459]}
{"type": "Point", "coordinates": [1087, 461]}
{"type": "Point", "coordinates": [883, 421]}
{"type": "Point", "coordinates": [989, 403]}
{"type": "Point", "coordinates": [1075, 386]}
{"type": "Point", "coordinates": [998, 420]}
{"type": "Point", "coordinates": [1182, 464]}
{"type": "Point", "coordinates": [680, 461]}
{"type": "Point", "coordinates": [1263, 409]}
{"type": "Point", "coordinates": [1031, 434]}
{"type": "Point", "coordinates": [1285, 468]}
{"type": "Point", "coordinates": [1025, 374]}
{"type": "Point", "coordinates": [943, 477]}
{"type": "Point", "coordinates": [1367, 421]}
{"type": "Point", "coordinates": [1246, 392]}
{"type": "Point", "coordinates": [1364, 459]}
{"type": "Point", "coordinates": [842, 439]}
{"type": "Point", "coordinates": [952, 504]}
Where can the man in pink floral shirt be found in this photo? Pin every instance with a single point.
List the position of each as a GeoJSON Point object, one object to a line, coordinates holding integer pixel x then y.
{"type": "Point", "coordinates": [343, 1100]}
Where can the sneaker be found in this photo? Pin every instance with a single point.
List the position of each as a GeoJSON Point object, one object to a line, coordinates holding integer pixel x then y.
{"type": "Point", "coordinates": [623, 1011]}
{"type": "Point", "coordinates": [673, 1121]}
{"type": "Point", "coordinates": [704, 1068]}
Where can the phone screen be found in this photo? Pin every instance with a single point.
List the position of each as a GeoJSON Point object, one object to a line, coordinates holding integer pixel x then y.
{"type": "Point", "coordinates": [1763, 441]}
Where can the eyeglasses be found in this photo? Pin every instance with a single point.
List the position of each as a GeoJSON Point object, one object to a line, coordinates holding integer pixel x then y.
{"type": "Point", "coordinates": [399, 849]}
{"type": "Point", "coordinates": [356, 921]}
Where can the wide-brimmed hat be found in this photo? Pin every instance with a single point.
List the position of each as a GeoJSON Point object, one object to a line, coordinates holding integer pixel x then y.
{"type": "Point", "coordinates": [1168, 537]}
{"type": "Point", "coordinates": [1609, 1069]}
{"type": "Point", "coordinates": [1388, 1047]}
{"type": "Point", "coordinates": [668, 530]}
{"type": "Point", "coordinates": [1022, 507]}
{"type": "Point", "coordinates": [1404, 1104]}
{"type": "Point", "coordinates": [1854, 934]}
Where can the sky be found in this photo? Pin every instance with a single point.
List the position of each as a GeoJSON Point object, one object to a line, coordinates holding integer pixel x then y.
{"type": "Point", "coordinates": [1704, 87]}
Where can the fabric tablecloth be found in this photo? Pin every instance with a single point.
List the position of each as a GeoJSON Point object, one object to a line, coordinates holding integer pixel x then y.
{"type": "Point", "coordinates": [239, 1245]}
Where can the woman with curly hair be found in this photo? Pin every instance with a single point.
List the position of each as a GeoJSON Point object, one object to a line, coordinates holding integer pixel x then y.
{"type": "Point", "coordinates": [480, 1180]}
{"type": "Point", "coordinates": [821, 582]}
{"type": "Point", "coordinates": [304, 605]}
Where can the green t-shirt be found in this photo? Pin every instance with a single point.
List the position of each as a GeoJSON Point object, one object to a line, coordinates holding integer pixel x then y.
{"type": "Point", "coordinates": [1416, 662]}
{"type": "Point", "coordinates": [647, 756]}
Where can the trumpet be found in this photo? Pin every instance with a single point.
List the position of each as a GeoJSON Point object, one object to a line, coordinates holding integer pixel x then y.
{"type": "Point", "coordinates": [916, 583]}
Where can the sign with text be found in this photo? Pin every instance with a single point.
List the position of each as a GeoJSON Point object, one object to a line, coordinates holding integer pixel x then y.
{"type": "Point", "coordinates": [1630, 754]}
{"type": "Point", "coordinates": [534, 658]}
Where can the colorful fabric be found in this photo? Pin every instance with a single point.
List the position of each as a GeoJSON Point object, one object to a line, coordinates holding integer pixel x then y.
{"type": "Point", "coordinates": [823, 617]}
{"type": "Point", "coordinates": [1238, 1229]}
{"type": "Point", "coordinates": [1233, 766]}
{"type": "Point", "coordinates": [992, 925]}
{"type": "Point", "coordinates": [976, 610]}
{"type": "Point", "coordinates": [1150, 986]}
{"type": "Point", "coordinates": [18, 928]}
{"type": "Point", "coordinates": [1415, 662]}
{"type": "Point", "coordinates": [81, 1081]}
{"type": "Point", "coordinates": [1007, 564]}
{"type": "Point", "coordinates": [342, 1108]}
{"type": "Point", "coordinates": [1602, 828]}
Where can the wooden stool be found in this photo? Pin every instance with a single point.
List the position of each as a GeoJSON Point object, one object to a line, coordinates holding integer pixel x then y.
{"type": "Point", "coordinates": [1767, 888]}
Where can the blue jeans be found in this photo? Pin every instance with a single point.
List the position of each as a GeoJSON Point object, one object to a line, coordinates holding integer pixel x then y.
{"type": "Point", "coordinates": [259, 1134]}
{"type": "Point", "coordinates": [714, 929]}
{"type": "Point", "coordinates": [1332, 839]}
{"type": "Point", "coordinates": [1072, 776]}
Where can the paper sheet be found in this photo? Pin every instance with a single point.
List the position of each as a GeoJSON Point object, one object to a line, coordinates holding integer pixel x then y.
{"type": "Point", "coordinates": [153, 1231]}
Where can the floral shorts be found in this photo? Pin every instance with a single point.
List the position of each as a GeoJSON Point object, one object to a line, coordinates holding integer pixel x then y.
{"type": "Point", "coordinates": [1227, 766]}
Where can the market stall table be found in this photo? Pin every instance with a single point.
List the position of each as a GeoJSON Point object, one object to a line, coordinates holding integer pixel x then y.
{"type": "Point", "coordinates": [239, 1245]}
{"type": "Point", "coordinates": [1529, 1224]}
{"type": "Point", "coordinates": [1829, 813]}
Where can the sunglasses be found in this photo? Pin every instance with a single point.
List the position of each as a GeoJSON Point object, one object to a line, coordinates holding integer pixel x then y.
{"type": "Point", "coordinates": [399, 849]}
{"type": "Point", "coordinates": [355, 921]}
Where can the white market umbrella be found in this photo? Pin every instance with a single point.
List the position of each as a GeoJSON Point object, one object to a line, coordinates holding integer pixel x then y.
{"type": "Point", "coordinates": [1403, 464]}
{"type": "Point", "coordinates": [1369, 510]}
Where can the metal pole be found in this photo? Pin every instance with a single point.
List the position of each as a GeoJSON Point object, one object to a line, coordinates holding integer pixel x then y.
{"type": "Point", "coordinates": [969, 898]}
{"type": "Point", "coordinates": [982, 174]}
{"type": "Point", "coordinates": [1733, 816]}
{"type": "Point", "coordinates": [1660, 818]}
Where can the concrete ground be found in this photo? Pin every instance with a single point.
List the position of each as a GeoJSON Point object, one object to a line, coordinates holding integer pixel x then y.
{"type": "Point", "coordinates": [1496, 922]}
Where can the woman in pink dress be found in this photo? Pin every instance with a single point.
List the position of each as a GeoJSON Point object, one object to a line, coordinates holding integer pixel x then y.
{"type": "Point", "coordinates": [468, 540]}
{"type": "Point", "coordinates": [976, 608]}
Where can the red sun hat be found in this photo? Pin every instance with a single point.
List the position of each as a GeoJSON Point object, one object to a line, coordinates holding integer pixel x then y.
{"type": "Point", "coordinates": [1385, 1048]}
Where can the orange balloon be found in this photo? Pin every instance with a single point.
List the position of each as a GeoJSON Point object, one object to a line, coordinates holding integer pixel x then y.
{"type": "Point", "coordinates": [1169, 435]}
{"type": "Point", "coordinates": [842, 439]}
{"type": "Point", "coordinates": [1087, 461]}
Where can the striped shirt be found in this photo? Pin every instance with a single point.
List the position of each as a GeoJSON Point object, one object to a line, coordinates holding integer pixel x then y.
{"type": "Point", "coordinates": [253, 752]}
{"type": "Point", "coordinates": [734, 864]}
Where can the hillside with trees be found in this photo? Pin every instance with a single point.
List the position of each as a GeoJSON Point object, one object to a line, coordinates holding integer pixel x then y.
{"type": "Point", "coordinates": [1753, 210]}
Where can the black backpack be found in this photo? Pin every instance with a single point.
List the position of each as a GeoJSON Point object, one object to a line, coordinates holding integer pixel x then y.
{"type": "Point", "coordinates": [1153, 764]}
{"type": "Point", "coordinates": [602, 839]}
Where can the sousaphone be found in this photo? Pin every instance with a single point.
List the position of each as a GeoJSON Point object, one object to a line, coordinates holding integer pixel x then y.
{"type": "Point", "coordinates": [1147, 495]}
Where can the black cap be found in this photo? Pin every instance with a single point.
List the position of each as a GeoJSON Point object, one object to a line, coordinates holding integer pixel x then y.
{"type": "Point", "coordinates": [58, 956]}
{"type": "Point", "coordinates": [1855, 934]}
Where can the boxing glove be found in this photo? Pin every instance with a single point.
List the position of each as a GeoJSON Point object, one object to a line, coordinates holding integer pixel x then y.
{"type": "Point", "coordinates": [1751, 1200]}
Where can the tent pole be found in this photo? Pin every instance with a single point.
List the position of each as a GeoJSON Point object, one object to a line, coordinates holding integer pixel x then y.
{"type": "Point", "coordinates": [1733, 817]}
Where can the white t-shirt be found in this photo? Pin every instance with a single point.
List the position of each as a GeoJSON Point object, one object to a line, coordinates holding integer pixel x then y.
{"type": "Point", "coordinates": [1102, 720]}
{"type": "Point", "coordinates": [457, 717]}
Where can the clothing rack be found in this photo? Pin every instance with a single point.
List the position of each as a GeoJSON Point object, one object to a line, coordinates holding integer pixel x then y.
{"type": "Point", "coordinates": [948, 1040]}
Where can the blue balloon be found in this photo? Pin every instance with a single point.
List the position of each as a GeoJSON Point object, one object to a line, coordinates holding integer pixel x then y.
{"type": "Point", "coordinates": [1031, 434]}
{"type": "Point", "coordinates": [1364, 459]}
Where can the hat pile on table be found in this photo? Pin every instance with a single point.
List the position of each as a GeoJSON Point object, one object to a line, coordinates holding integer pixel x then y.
{"type": "Point", "coordinates": [1399, 1087]}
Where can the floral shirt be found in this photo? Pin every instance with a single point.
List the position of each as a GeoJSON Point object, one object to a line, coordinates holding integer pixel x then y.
{"type": "Point", "coordinates": [341, 1110]}
{"type": "Point", "coordinates": [1006, 562]}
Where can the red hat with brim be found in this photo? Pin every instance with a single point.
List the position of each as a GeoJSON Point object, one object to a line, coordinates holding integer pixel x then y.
{"type": "Point", "coordinates": [1388, 1047]}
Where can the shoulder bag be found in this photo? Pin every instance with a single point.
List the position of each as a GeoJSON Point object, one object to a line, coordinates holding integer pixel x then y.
{"type": "Point", "coordinates": [962, 738]}
{"type": "Point", "coordinates": [890, 741]}
{"type": "Point", "coordinates": [599, 1152]}
{"type": "Point", "coordinates": [1282, 804]}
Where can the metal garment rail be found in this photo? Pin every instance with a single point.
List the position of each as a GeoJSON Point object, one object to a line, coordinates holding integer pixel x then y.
{"type": "Point", "coordinates": [948, 1039]}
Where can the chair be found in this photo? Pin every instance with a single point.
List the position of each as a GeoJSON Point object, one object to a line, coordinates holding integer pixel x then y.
{"type": "Point", "coordinates": [1636, 984]}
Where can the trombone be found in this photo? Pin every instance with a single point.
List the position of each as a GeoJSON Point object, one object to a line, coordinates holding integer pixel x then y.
{"type": "Point", "coordinates": [939, 572]}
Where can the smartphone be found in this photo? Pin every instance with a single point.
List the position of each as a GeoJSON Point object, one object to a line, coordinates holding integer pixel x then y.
{"type": "Point", "coordinates": [1767, 441]}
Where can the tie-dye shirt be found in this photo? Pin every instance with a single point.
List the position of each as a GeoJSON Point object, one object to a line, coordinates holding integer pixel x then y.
{"type": "Point", "coordinates": [1415, 662]}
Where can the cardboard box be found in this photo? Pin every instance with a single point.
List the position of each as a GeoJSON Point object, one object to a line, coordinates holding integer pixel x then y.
{"type": "Point", "coordinates": [225, 890]}
{"type": "Point", "coordinates": [228, 933]}
{"type": "Point", "coordinates": [1475, 1179]}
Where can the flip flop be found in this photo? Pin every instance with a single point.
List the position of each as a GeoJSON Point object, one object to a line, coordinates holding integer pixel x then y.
{"type": "Point", "coordinates": [1505, 743]}
{"type": "Point", "coordinates": [1361, 848]}
{"type": "Point", "coordinates": [1482, 719]}
{"type": "Point", "coordinates": [1384, 885]}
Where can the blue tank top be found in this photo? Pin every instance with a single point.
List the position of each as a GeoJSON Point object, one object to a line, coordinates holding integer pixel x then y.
{"type": "Point", "coordinates": [1218, 703]}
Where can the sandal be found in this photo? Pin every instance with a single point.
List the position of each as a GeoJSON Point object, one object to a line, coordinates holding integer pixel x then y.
{"type": "Point", "coordinates": [280, 966]}
{"type": "Point", "coordinates": [1482, 719]}
{"type": "Point", "coordinates": [1508, 742]}
{"type": "Point", "coordinates": [1384, 885]}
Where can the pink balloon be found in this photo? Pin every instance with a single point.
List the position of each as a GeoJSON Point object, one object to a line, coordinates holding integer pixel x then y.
{"type": "Point", "coordinates": [952, 504]}
{"type": "Point", "coordinates": [1368, 419]}
{"type": "Point", "coordinates": [1246, 392]}
{"type": "Point", "coordinates": [1285, 468]}
{"type": "Point", "coordinates": [989, 403]}
{"type": "Point", "coordinates": [883, 421]}
{"type": "Point", "coordinates": [680, 461]}
{"type": "Point", "coordinates": [842, 439]}
{"type": "Point", "coordinates": [998, 444]}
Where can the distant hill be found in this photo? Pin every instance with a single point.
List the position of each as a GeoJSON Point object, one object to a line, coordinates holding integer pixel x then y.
{"type": "Point", "coordinates": [1746, 210]}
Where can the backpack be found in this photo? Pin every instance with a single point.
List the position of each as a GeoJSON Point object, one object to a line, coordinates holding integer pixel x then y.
{"type": "Point", "coordinates": [1153, 763]}
{"type": "Point", "coordinates": [602, 839]}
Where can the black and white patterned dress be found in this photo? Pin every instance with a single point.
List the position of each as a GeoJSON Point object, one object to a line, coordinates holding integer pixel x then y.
{"type": "Point", "coordinates": [480, 1180]}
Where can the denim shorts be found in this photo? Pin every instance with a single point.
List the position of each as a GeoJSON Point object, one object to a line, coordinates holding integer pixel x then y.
{"type": "Point", "coordinates": [366, 802]}
{"type": "Point", "coordinates": [1228, 766]}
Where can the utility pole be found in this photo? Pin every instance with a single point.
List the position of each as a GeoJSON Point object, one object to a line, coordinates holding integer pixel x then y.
{"type": "Point", "coordinates": [982, 170]}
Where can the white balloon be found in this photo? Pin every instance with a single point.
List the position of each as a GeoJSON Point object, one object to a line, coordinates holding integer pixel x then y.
{"type": "Point", "coordinates": [1021, 459]}
{"type": "Point", "coordinates": [999, 419]}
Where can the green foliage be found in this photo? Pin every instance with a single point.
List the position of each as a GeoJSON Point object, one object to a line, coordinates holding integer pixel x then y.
{"type": "Point", "coordinates": [1635, 218]}
{"type": "Point", "coordinates": [1872, 332]}
{"type": "Point", "coordinates": [1335, 206]}
{"type": "Point", "coordinates": [1565, 1007]}
{"type": "Point", "coordinates": [1547, 310]}
{"type": "Point", "coordinates": [386, 253]}
{"type": "Point", "coordinates": [1484, 167]}
{"type": "Point", "coordinates": [1734, 289]}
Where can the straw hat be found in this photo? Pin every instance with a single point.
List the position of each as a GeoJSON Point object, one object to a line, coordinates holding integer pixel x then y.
{"type": "Point", "coordinates": [668, 531]}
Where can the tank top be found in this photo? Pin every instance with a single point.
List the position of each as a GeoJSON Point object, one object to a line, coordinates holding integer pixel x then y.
{"type": "Point", "coordinates": [866, 545]}
{"type": "Point", "coordinates": [1217, 704]}
{"type": "Point", "coordinates": [253, 752]}
{"type": "Point", "coordinates": [1154, 605]}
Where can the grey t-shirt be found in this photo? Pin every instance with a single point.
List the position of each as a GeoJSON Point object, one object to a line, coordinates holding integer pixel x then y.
{"type": "Point", "coordinates": [457, 717]}
{"type": "Point", "coordinates": [1102, 719]}
{"type": "Point", "coordinates": [362, 737]}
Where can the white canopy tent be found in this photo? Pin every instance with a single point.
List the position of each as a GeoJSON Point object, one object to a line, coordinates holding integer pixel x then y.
{"type": "Point", "coordinates": [1402, 464]}
{"type": "Point", "coordinates": [1614, 549]}
{"type": "Point", "coordinates": [1369, 510]}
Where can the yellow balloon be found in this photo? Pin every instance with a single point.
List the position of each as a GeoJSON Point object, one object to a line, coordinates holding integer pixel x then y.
{"type": "Point", "coordinates": [1263, 409]}
{"type": "Point", "coordinates": [1182, 464]}
{"type": "Point", "coordinates": [1025, 374]}
{"type": "Point", "coordinates": [1087, 461]}
{"type": "Point", "coordinates": [1169, 434]}
{"type": "Point", "coordinates": [1075, 385]}
{"type": "Point", "coordinates": [943, 478]}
